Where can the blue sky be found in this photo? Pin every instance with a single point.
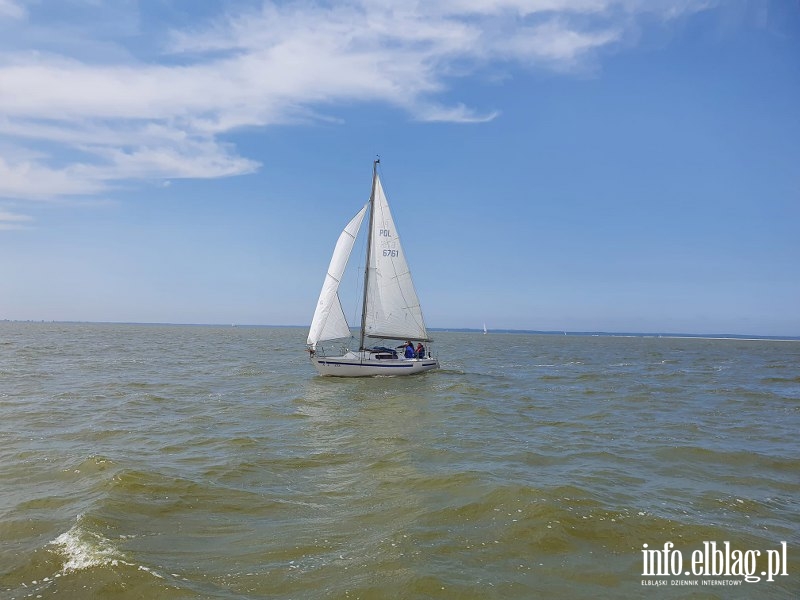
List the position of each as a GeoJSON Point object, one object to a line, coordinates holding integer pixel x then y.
{"type": "Point", "coordinates": [604, 165]}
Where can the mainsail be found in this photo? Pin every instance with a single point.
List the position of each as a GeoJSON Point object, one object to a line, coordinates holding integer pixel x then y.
{"type": "Point", "coordinates": [329, 322]}
{"type": "Point", "coordinates": [392, 308]}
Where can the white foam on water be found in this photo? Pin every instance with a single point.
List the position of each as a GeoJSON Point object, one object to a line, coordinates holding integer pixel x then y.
{"type": "Point", "coordinates": [80, 549]}
{"type": "Point", "coordinates": [83, 549]}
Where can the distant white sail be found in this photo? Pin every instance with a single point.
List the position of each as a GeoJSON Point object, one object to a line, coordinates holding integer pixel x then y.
{"type": "Point", "coordinates": [392, 307]}
{"type": "Point", "coordinates": [329, 322]}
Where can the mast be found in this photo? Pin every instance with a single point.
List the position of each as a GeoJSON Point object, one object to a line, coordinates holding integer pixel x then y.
{"type": "Point", "coordinates": [369, 251]}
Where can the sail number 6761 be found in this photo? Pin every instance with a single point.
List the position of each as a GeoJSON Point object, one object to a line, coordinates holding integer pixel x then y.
{"type": "Point", "coordinates": [392, 253]}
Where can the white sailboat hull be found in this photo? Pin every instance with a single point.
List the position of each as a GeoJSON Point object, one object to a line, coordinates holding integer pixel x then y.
{"type": "Point", "coordinates": [364, 364]}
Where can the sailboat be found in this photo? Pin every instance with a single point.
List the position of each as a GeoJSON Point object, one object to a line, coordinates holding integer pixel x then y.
{"type": "Point", "coordinates": [390, 308]}
{"type": "Point", "coordinates": [485, 331]}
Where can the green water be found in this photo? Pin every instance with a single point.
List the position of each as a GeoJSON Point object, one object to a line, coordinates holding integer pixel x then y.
{"type": "Point", "coordinates": [170, 462]}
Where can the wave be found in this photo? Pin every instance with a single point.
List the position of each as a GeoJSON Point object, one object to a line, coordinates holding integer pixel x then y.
{"type": "Point", "coordinates": [81, 548]}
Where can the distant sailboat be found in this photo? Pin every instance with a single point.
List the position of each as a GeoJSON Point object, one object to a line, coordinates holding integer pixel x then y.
{"type": "Point", "coordinates": [390, 307]}
{"type": "Point", "coordinates": [484, 329]}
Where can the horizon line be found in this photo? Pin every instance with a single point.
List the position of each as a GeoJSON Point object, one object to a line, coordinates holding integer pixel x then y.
{"type": "Point", "coordinates": [559, 332]}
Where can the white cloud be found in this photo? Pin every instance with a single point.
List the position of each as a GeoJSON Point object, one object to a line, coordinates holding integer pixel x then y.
{"type": "Point", "coordinates": [32, 180]}
{"type": "Point", "coordinates": [95, 123]}
{"type": "Point", "coordinates": [12, 9]}
{"type": "Point", "coordinates": [452, 114]}
{"type": "Point", "coordinates": [10, 220]}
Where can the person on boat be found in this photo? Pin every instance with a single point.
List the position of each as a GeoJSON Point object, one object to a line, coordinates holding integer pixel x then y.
{"type": "Point", "coordinates": [420, 350]}
{"type": "Point", "coordinates": [409, 350]}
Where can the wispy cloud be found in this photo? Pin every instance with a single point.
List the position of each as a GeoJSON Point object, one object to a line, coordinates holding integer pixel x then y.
{"type": "Point", "coordinates": [12, 9]}
{"type": "Point", "coordinates": [11, 220]}
{"type": "Point", "coordinates": [159, 103]}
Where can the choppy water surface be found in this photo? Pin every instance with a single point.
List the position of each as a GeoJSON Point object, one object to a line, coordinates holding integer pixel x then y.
{"type": "Point", "coordinates": [211, 462]}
